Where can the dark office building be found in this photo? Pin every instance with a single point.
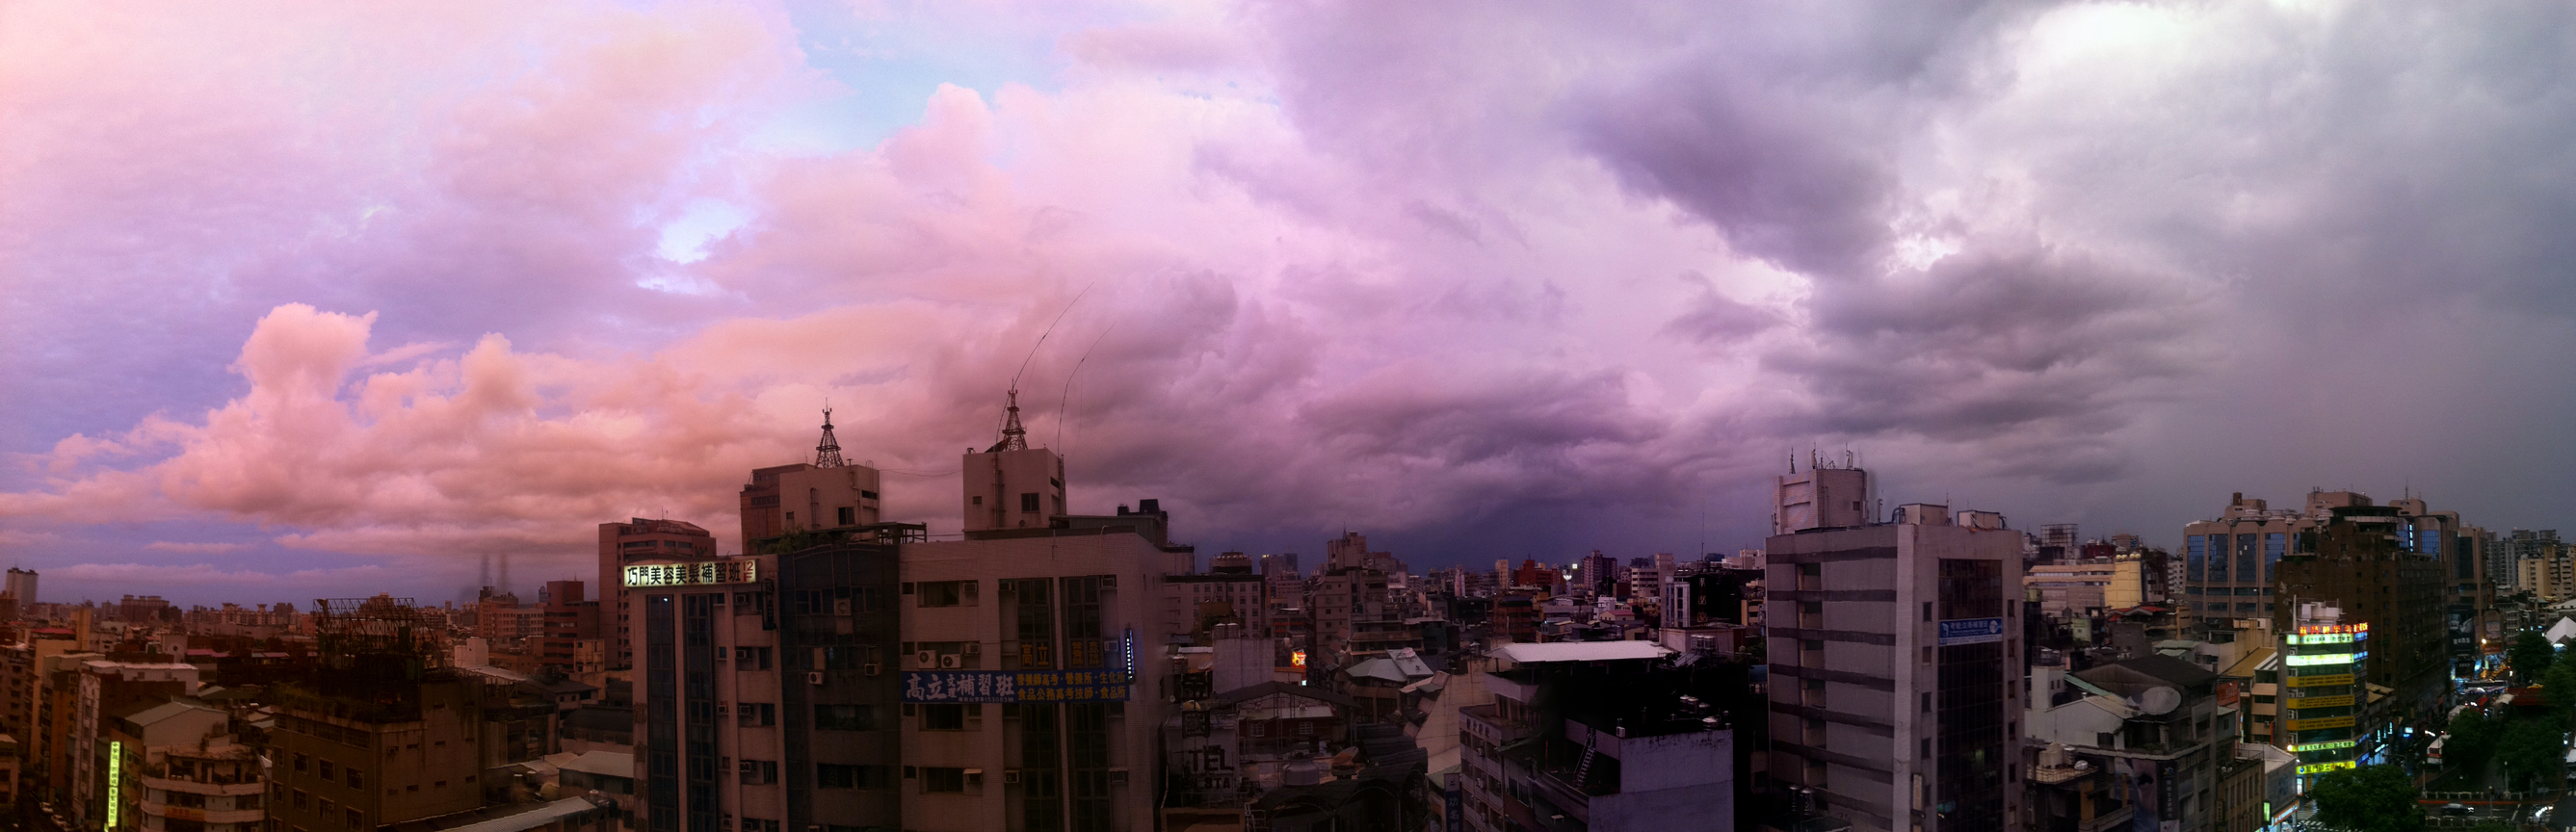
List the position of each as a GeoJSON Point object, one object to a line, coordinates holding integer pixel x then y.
{"type": "Point", "coordinates": [766, 699]}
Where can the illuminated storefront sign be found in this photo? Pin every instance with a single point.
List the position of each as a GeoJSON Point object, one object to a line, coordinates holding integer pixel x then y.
{"type": "Point", "coordinates": [2320, 723]}
{"type": "Point", "coordinates": [2321, 702]}
{"type": "Point", "coordinates": [1007, 686]}
{"type": "Point", "coordinates": [2360, 628]}
{"type": "Point", "coordinates": [1971, 631]}
{"type": "Point", "coordinates": [2323, 638]}
{"type": "Point", "coordinates": [2305, 747]}
{"type": "Point", "coordinates": [1297, 658]}
{"type": "Point", "coordinates": [2321, 768]}
{"type": "Point", "coordinates": [2314, 659]}
{"type": "Point", "coordinates": [2339, 679]}
{"type": "Point", "coordinates": [693, 574]}
{"type": "Point", "coordinates": [115, 778]}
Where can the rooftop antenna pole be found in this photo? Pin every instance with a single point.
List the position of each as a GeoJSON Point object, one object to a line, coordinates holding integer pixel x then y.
{"type": "Point", "coordinates": [1063, 401]}
{"type": "Point", "coordinates": [1013, 437]}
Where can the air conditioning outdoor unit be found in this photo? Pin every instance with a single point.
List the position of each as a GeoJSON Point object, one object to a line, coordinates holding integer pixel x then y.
{"type": "Point", "coordinates": [724, 709]}
{"type": "Point", "coordinates": [926, 658]}
{"type": "Point", "coordinates": [1010, 777]}
{"type": "Point", "coordinates": [840, 606]}
{"type": "Point", "coordinates": [950, 661]}
{"type": "Point", "coordinates": [872, 668]}
{"type": "Point", "coordinates": [974, 648]}
{"type": "Point", "coordinates": [813, 677]}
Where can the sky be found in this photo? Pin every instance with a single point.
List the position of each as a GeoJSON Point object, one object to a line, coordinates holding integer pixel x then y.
{"type": "Point", "coordinates": [314, 300]}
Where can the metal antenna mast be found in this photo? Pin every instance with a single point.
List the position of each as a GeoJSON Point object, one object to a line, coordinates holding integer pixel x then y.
{"type": "Point", "coordinates": [827, 454]}
{"type": "Point", "coordinates": [1013, 437]}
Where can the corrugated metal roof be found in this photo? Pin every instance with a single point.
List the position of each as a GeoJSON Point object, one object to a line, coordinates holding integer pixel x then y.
{"type": "Point", "coordinates": [1583, 651]}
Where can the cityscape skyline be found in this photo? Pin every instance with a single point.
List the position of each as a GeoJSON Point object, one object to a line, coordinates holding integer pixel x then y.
{"type": "Point", "coordinates": [309, 304]}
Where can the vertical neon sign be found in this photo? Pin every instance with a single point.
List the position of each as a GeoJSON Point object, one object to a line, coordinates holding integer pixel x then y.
{"type": "Point", "coordinates": [115, 778]}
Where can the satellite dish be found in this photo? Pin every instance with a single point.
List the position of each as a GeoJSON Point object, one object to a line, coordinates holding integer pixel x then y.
{"type": "Point", "coordinates": [2159, 700]}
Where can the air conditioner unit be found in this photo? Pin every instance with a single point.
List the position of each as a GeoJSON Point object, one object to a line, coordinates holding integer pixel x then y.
{"type": "Point", "coordinates": [1117, 777]}
{"type": "Point", "coordinates": [840, 606]}
{"type": "Point", "coordinates": [950, 661]}
{"type": "Point", "coordinates": [974, 648]}
{"type": "Point", "coordinates": [813, 677]}
{"type": "Point", "coordinates": [926, 658]}
{"type": "Point", "coordinates": [1010, 777]}
{"type": "Point", "coordinates": [1108, 582]}
{"type": "Point", "coordinates": [872, 668]}
{"type": "Point", "coordinates": [724, 709]}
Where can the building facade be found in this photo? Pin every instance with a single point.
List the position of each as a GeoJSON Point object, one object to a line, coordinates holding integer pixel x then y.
{"type": "Point", "coordinates": [1890, 650]}
{"type": "Point", "coordinates": [635, 541]}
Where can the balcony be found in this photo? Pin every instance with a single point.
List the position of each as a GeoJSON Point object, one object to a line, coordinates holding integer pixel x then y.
{"type": "Point", "coordinates": [152, 809]}
{"type": "Point", "coordinates": [219, 786]}
{"type": "Point", "coordinates": [1503, 729]}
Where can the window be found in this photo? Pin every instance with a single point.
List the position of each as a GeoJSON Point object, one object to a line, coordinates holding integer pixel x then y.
{"type": "Point", "coordinates": [303, 799]}
{"type": "Point", "coordinates": [938, 780]}
{"type": "Point", "coordinates": [759, 772]}
{"type": "Point", "coordinates": [845, 718]}
{"type": "Point", "coordinates": [849, 516]}
{"type": "Point", "coordinates": [756, 714]}
{"type": "Point", "coordinates": [947, 717]}
{"type": "Point", "coordinates": [1029, 501]}
{"type": "Point", "coordinates": [303, 763]}
{"type": "Point", "coordinates": [945, 594]}
{"type": "Point", "coordinates": [356, 820]}
{"type": "Point", "coordinates": [326, 808]}
{"type": "Point", "coordinates": [829, 776]}
{"type": "Point", "coordinates": [357, 779]}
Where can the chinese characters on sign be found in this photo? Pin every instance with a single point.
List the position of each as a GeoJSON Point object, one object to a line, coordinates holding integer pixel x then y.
{"type": "Point", "coordinates": [1006, 686]}
{"type": "Point", "coordinates": [1971, 631]}
{"type": "Point", "coordinates": [693, 574]}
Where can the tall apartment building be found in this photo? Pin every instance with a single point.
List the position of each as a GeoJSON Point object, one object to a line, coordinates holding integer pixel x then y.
{"type": "Point", "coordinates": [104, 691]}
{"type": "Point", "coordinates": [2512, 548]}
{"type": "Point", "coordinates": [1230, 582]}
{"type": "Point", "coordinates": [640, 540]}
{"type": "Point", "coordinates": [2549, 576]}
{"type": "Point", "coordinates": [1035, 688]}
{"type": "Point", "coordinates": [1894, 649]}
{"type": "Point", "coordinates": [568, 638]}
{"type": "Point", "coordinates": [22, 586]}
{"type": "Point", "coordinates": [2138, 578]}
{"type": "Point", "coordinates": [2356, 564]}
{"type": "Point", "coordinates": [765, 697]}
{"type": "Point", "coordinates": [2079, 588]}
{"type": "Point", "coordinates": [2461, 550]}
{"type": "Point", "coordinates": [2229, 563]}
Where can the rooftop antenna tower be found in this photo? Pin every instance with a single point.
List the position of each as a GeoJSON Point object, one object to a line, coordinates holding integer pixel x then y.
{"type": "Point", "coordinates": [827, 454]}
{"type": "Point", "coordinates": [1015, 438]}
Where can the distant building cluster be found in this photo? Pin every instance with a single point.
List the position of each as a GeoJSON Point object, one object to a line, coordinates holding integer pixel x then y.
{"type": "Point", "coordinates": [1869, 667]}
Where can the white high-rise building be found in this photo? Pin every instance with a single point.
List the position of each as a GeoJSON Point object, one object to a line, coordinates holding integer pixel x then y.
{"type": "Point", "coordinates": [1895, 658]}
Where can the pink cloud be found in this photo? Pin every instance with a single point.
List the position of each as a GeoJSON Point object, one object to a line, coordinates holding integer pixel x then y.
{"type": "Point", "coordinates": [195, 548]}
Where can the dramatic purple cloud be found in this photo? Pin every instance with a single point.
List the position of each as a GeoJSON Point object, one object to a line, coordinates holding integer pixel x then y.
{"type": "Point", "coordinates": [321, 300]}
